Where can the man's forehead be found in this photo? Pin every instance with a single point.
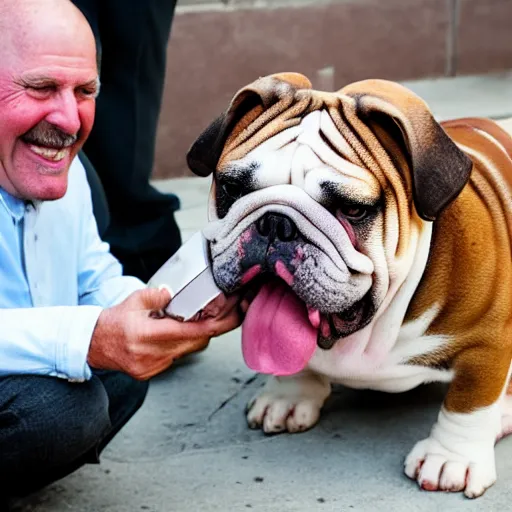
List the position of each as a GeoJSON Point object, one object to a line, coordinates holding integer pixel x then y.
{"type": "Point", "coordinates": [59, 74]}
{"type": "Point", "coordinates": [43, 78]}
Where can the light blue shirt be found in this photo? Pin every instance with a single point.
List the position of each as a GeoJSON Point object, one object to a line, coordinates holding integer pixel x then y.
{"type": "Point", "coordinates": [56, 276]}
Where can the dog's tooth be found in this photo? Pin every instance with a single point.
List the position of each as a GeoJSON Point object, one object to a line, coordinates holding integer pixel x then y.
{"type": "Point", "coordinates": [325, 328]}
{"type": "Point", "coordinates": [314, 317]}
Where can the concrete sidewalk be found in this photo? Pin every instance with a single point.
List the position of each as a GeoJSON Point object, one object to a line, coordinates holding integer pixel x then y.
{"type": "Point", "coordinates": [189, 449]}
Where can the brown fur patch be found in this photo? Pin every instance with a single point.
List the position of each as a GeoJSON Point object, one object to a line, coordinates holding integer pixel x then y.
{"type": "Point", "coordinates": [469, 275]}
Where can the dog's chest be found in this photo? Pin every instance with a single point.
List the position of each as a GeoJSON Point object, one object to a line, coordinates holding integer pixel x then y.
{"type": "Point", "coordinates": [365, 366]}
{"type": "Point", "coordinates": [393, 378]}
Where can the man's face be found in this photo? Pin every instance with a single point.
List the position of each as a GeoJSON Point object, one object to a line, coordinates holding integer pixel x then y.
{"type": "Point", "coordinates": [48, 87]}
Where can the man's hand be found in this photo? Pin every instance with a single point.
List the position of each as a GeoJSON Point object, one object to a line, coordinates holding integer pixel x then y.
{"type": "Point", "coordinates": [129, 337]}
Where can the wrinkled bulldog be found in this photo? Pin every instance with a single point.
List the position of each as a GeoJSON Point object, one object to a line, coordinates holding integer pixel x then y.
{"type": "Point", "coordinates": [378, 245]}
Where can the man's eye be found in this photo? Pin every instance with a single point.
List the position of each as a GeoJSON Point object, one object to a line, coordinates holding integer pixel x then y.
{"type": "Point", "coordinates": [42, 90]}
{"type": "Point", "coordinates": [87, 92]}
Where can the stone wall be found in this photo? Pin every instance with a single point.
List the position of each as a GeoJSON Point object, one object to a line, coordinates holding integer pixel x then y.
{"type": "Point", "coordinates": [216, 48]}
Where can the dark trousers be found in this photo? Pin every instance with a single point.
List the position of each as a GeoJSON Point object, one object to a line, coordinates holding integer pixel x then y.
{"type": "Point", "coordinates": [132, 37]}
{"type": "Point", "coordinates": [50, 427]}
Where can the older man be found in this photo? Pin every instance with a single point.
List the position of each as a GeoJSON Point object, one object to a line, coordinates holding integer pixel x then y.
{"type": "Point", "coordinates": [77, 339]}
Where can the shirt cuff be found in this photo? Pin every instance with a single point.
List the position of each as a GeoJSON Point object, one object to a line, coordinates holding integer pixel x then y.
{"type": "Point", "coordinates": [73, 344]}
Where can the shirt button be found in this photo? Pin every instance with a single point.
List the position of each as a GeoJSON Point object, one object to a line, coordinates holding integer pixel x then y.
{"type": "Point", "coordinates": [35, 238]}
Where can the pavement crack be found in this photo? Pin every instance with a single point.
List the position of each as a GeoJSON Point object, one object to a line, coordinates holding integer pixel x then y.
{"type": "Point", "coordinates": [245, 384]}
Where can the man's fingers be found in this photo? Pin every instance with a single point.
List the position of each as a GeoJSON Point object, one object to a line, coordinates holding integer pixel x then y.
{"type": "Point", "coordinates": [168, 329]}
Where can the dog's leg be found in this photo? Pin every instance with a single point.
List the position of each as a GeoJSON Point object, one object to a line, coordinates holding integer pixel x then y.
{"type": "Point", "coordinates": [506, 414]}
{"type": "Point", "coordinates": [289, 403]}
{"type": "Point", "coordinates": [459, 453]}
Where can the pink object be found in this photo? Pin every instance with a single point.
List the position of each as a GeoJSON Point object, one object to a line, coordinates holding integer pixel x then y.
{"type": "Point", "coordinates": [349, 229]}
{"type": "Point", "coordinates": [314, 317]}
{"type": "Point", "coordinates": [251, 274]}
{"type": "Point", "coordinates": [284, 273]}
{"type": "Point", "coordinates": [277, 336]}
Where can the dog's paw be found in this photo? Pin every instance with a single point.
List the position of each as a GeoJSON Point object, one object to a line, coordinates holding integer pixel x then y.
{"type": "Point", "coordinates": [437, 469]}
{"type": "Point", "coordinates": [456, 457]}
{"type": "Point", "coordinates": [290, 404]}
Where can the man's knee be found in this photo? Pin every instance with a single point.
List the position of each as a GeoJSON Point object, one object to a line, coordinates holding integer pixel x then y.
{"type": "Point", "coordinates": [125, 395]}
{"type": "Point", "coordinates": [47, 422]}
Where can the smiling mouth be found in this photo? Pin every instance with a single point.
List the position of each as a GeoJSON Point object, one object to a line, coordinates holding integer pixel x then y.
{"type": "Point", "coordinates": [50, 154]}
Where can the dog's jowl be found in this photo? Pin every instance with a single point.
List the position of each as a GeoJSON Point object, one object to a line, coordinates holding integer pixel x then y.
{"type": "Point", "coordinates": [378, 244]}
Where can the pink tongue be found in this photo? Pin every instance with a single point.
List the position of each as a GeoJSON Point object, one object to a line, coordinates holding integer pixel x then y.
{"type": "Point", "coordinates": [277, 336]}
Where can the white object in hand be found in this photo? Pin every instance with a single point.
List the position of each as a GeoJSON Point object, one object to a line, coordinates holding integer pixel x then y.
{"type": "Point", "coordinates": [188, 277]}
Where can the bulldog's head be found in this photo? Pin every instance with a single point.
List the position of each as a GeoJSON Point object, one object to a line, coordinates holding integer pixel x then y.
{"type": "Point", "coordinates": [321, 200]}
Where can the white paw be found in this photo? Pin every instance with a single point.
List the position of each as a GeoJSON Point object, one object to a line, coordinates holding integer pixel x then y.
{"type": "Point", "coordinates": [458, 455]}
{"type": "Point", "coordinates": [290, 404]}
{"type": "Point", "coordinates": [437, 469]}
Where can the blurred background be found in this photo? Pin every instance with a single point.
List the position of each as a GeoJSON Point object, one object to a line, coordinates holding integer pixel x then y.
{"type": "Point", "coordinates": [217, 47]}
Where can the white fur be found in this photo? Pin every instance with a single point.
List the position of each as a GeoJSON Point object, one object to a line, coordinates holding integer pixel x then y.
{"type": "Point", "coordinates": [376, 356]}
{"type": "Point", "coordinates": [289, 403]}
{"type": "Point", "coordinates": [459, 453]}
{"type": "Point", "coordinates": [395, 375]}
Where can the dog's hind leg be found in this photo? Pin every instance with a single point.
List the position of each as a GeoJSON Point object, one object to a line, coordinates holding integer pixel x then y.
{"type": "Point", "coordinates": [506, 413]}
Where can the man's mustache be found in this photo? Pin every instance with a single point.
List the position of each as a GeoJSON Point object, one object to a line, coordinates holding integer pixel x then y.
{"type": "Point", "coordinates": [48, 135]}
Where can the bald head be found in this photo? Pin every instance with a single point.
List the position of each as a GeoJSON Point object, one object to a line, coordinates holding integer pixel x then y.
{"type": "Point", "coordinates": [26, 24]}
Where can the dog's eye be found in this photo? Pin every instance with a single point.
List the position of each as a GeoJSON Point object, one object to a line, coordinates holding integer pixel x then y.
{"type": "Point", "coordinates": [353, 212]}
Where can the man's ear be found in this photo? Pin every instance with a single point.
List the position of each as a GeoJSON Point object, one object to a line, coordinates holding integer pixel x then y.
{"type": "Point", "coordinates": [248, 103]}
{"type": "Point", "coordinates": [439, 169]}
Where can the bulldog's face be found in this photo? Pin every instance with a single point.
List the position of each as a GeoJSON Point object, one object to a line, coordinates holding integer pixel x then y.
{"type": "Point", "coordinates": [319, 204]}
{"type": "Point", "coordinates": [290, 217]}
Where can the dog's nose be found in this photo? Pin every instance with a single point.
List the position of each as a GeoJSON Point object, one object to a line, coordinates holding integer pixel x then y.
{"type": "Point", "coordinates": [275, 225]}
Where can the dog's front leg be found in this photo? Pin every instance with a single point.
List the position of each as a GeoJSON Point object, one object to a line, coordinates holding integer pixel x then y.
{"type": "Point", "coordinates": [289, 403]}
{"type": "Point", "coordinates": [459, 453]}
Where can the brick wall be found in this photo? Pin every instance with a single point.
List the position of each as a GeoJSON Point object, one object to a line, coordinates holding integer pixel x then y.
{"type": "Point", "coordinates": [216, 48]}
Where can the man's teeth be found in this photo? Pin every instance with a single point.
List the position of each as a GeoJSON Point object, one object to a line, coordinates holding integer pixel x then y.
{"type": "Point", "coordinates": [55, 155]}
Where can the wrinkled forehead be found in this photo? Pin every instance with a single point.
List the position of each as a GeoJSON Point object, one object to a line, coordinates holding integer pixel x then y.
{"type": "Point", "coordinates": [311, 154]}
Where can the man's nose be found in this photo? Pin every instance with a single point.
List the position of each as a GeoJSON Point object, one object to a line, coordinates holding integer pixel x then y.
{"type": "Point", "coordinates": [64, 114]}
{"type": "Point", "coordinates": [276, 226]}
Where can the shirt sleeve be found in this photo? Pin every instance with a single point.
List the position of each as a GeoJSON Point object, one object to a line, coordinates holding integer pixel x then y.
{"type": "Point", "coordinates": [100, 275]}
{"type": "Point", "coordinates": [54, 341]}
{"type": "Point", "coordinates": [51, 341]}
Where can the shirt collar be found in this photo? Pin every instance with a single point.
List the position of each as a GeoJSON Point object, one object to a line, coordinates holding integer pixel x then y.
{"type": "Point", "coordinates": [15, 206]}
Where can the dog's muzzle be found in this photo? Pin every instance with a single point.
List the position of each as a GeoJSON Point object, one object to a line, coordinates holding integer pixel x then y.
{"type": "Point", "coordinates": [312, 282]}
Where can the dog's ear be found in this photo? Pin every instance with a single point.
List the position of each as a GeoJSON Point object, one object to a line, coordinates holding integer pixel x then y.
{"type": "Point", "coordinates": [440, 170]}
{"type": "Point", "coordinates": [248, 103]}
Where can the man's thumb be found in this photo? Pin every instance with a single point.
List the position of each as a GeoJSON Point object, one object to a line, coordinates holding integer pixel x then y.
{"type": "Point", "coordinates": [155, 299]}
